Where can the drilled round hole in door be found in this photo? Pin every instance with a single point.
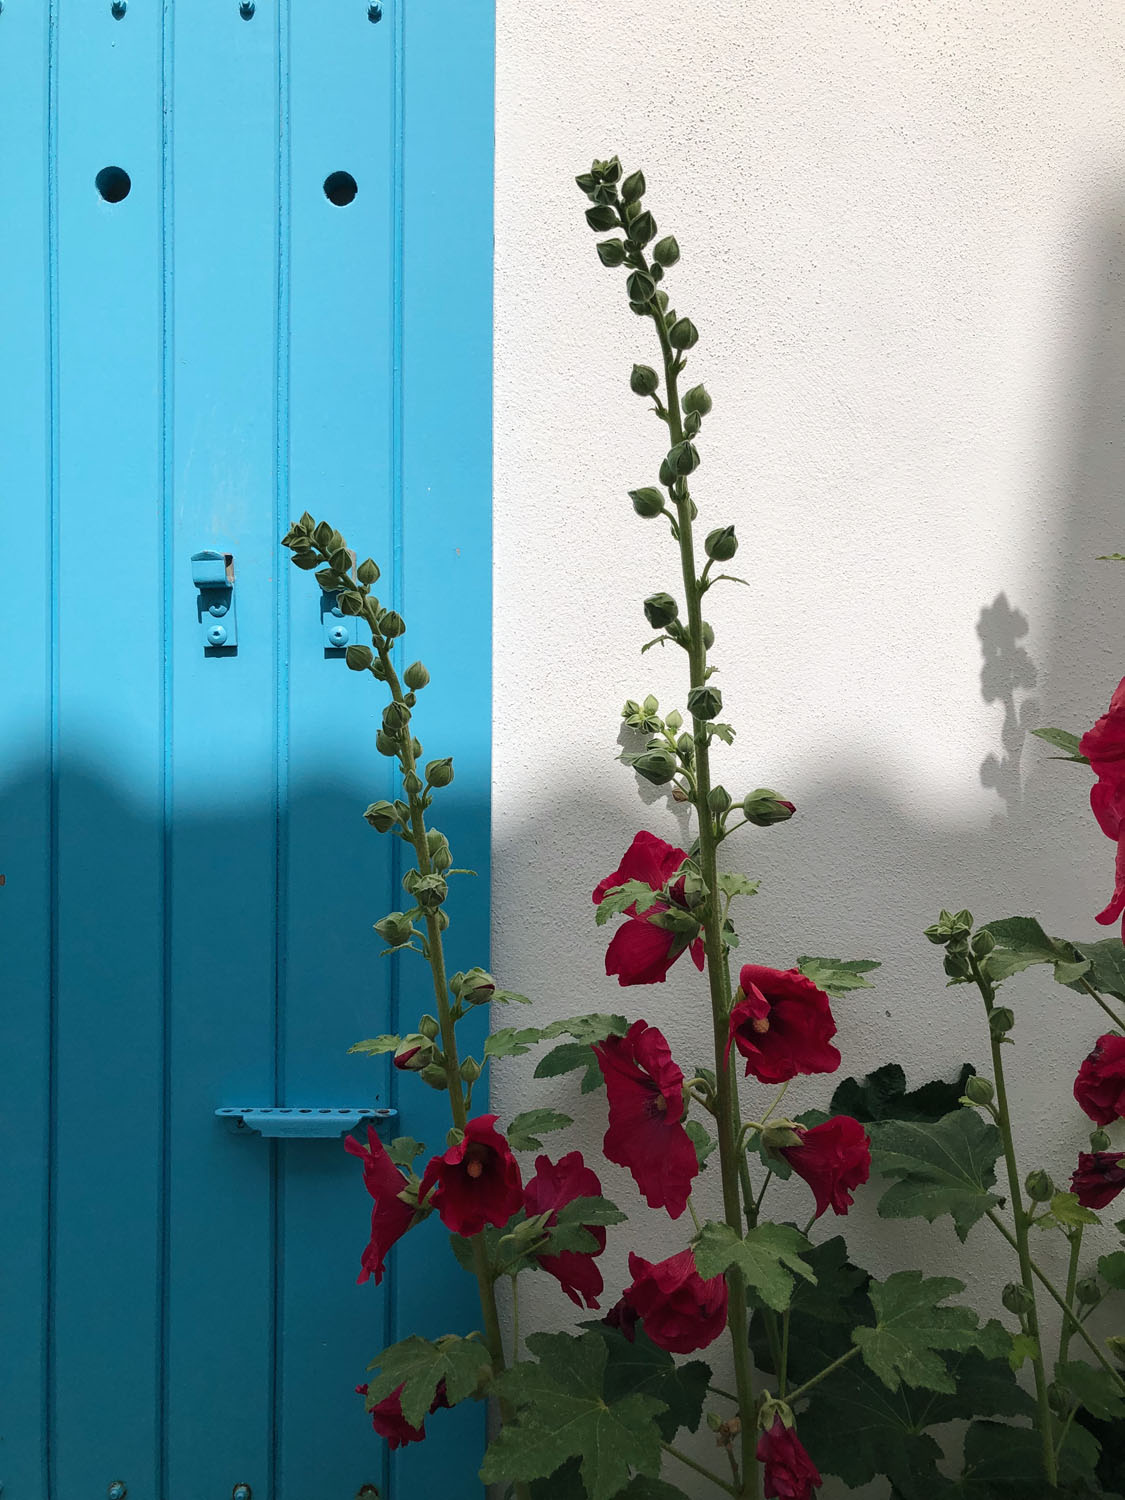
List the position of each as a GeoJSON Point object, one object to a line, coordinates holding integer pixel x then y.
{"type": "Point", "coordinates": [113, 183]}
{"type": "Point", "coordinates": [340, 188]}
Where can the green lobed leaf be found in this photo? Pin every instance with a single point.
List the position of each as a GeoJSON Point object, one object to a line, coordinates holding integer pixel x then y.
{"type": "Point", "coordinates": [837, 976]}
{"type": "Point", "coordinates": [703, 1143]}
{"type": "Point", "coordinates": [524, 1131]}
{"type": "Point", "coordinates": [589, 1028]}
{"type": "Point", "coordinates": [1067, 1211]}
{"type": "Point", "coordinates": [912, 1326]}
{"type": "Point", "coordinates": [511, 1041]}
{"type": "Point", "coordinates": [567, 1058]}
{"type": "Point", "coordinates": [638, 1367]}
{"type": "Point", "coordinates": [420, 1366]}
{"type": "Point", "coordinates": [1111, 1268]}
{"type": "Point", "coordinates": [375, 1045]}
{"type": "Point", "coordinates": [403, 1149]}
{"type": "Point", "coordinates": [1021, 943]}
{"type": "Point", "coordinates": [996, 1454]}
{"type": "Point", "coordinates": [562, 1413]}
{"type": "Point", "coordinates": [882, 1095]}
{"type": "Point", "coordinates": [943, 1167]}
{"type": "Point", "coordinates": [1092, 1388]}
{"type": "Point", "coordinates": [571, 1229]}
{"type": "Point", "coordinates": [738, 885]}
{"type": "Point", "coordinates": [1062, 739]}
{"type": "Point", "coordinates": [621, 897]}
{"type": "Point", "coordinates": [769, 1257]}
{"type": "Point", "coordinates": [1107, 965]}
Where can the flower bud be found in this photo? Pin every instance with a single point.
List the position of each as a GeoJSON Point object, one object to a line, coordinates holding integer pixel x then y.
{"type": "Point", "coordinates": [674, 721]}
{"type": "Point", "coordinates": [1059, 1398]}
{"type": "Point", "coordinates": [477, 987]}
{"type": "Point", "coordinates": [633, 187]}
{"type": "Point", "coordinates": [1001, 1021]}
{"type": "Point", "coordinates": [683, 458]}
{"type": "Point", "coordinates": [1088, 1292]}
{"type": "Point", "coordinates": [413, 1053]}
{"type": "Point", "coordinates": [382, 816]}
{"type": "Point", "coordinates": [683, 334]}
{"type": "Point", "coordinates": [434, 1074]}
{"type": "Point", "coordinates": [470, 1070]}
{"type": "Point", "coordinates": [647, 502]}
{"type": "Point", "coordinates": [721, 544]}
{"type": "Point", "coordinates": [1099, 1140]}
{"type": "Point", "coordinates": [1040, 1188]}
{"type": "Point", "coordinates": [719, 799]}
{"type": "Point", "coordinates": [430, 891]}
{"type": "Point", "coordinates": [697, 401]}
{"type": "Point", "coordinates": [656, 766]}
{"type": "Point", "coordinates": [660, 610]}
{"type": "Point", "coordinates": [439, 772]}
{"type": "Point", "coordinates": [979, 1090]}
{"type": "Point", "coordinates": [781, 1135]}
{"type": "Point", "coordinates": [641, 227]}
{"type": "Point", "coordinates": [396, 716]}
{"type": "Point", "coordinates": [367, 572]}
{"type": "Point", "coordinates": [429, 1028]}
{"type": "Point", "coordinates": [685, 745]}
{"type": "Point", "coordinates": [350, 602]}
{"type": "Point", "coordinates": [386, 744]}
{"type": "Point", "coordinates": [358, 658]}
{"type": "Point", "coordinates": [708, 636]}
{"type": "Point", "coordinates": [1017, 1299]}
{"type": "Point", "coordinates": [983, 943]}
{"type": "Point", "coordinates": [666, 475]}
{"type": "Point", "coordinates": [764, 808]}
{"type": "Point", "coordinates": [644, 381]}
{"type": "Point", "coordinates": [395, 929]}
{"type": "Point", "coordinates": [391, 624]}
{"type": "Point", "coordinates": [601, 217]}
{"type": "Point", "coordinates": [416, 677]}
{"type": "Point", "coordinates": [640, 285]}
{"type": "Point", "coordinates": [611, 252]}
{"type": "Point", "coordinates": [666, 252]}
{"type": "Point", "coordinates": [956, 965]}
{"type": "Point", "coordinates": [705, 702]}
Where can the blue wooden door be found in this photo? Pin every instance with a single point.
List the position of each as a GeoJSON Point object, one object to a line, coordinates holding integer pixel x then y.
{"type": "Point", "coordinates": [244, 271]}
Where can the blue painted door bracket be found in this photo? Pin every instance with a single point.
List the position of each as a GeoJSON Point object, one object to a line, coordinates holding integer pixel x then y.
{"type": "Point", "coordinates": [339, 629]}
{"type": "Point", "coordinates": [308, 1124]}
{"type": "Point", "coordinates": [213, 575]}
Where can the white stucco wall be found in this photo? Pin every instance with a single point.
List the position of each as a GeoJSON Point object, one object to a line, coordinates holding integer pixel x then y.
{"type": "Point", "coordinates": [901, 228]}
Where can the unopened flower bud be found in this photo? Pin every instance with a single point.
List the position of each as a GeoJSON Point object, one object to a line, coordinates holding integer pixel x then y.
{"type": "Point", "coordinates": [647, 502]}
{"type": "Point", "coordinates": [979, 1090]}
{"type": "Point", "coordinates": [764, 807]}
{"type": "Point", "coordinates": [1099, 1140]}
{"type": "Point", "coordinates": [683, 458]}
{"type": "Point", "coordinates": [1058, 1398]}
{"type": "Point", "coordinates": [633, 187]}
{"type": "Point", "coordinates": [395, 929]}
{"type": "Point", "coordinates": [719, 799]}
{"type": "Point", "coordinates": [430, 891]}
{"type": "Point", "coordinates": [1040, 1188]}
{"type": "Point", "coordinates": [477, 987]}
{"type": "Point", "coordinates": [983, 943]}
{"type": "Point", "coordinates": [396, 716]}
{"type": "Point", "coordinates": [644, 380]}
{"type": "Point", "coordinates": [683, 334]}
{"type": "Point", "coordinates": [611, 252]}
{"type": "Point", "coordinates": [391, 624]}
{"type": "Point", "coordinates": [956, 965]}
{"type": "Point", "coordinates": [1088, 1292]}
{"type": "Point", "coordinates": [434, 1074]}
{"type": "Point", "coordinates": [470, 1070]}
{"type": "Point", "coordinates": [656, 766]}
{"type": "Point", "coordinates": [382, 816]}
{"type": "Point", "coordinates": [386, 744]}
{"type": "Point", "coordinates": [781, 1135]}
{"type": "Point", "coordinates": [697, 402]}
{"type": "Point", "coordinates": [1001, 1021]}
{"type": "Point", "coordinates": [639, 284]}
{"type": "Point", "coordinates": [440, 772]}
{"type": "Point", "coordinates": [1017, 1299]}
{"type": "Point", "coordinates": [714, 1421]}
{"type": "Point", "coordinates": [413, 1053]}
{"type": "Point", "coordinates": [660, 610]}
{"type": "Point", "coordinates": [705, 703]}
{"type": "Point", "coordinates": [367, 572]}
{"type": "Point", "coordinates": [416, 676]}
{"type": "Point", "coordinates": [666, 252]}
{"type": "Point", "coordinates": [601, 217]}
{"type": "Point", "coordinates": [429, 1028]}
{"type": "Point", "coordinates": [358, 658]}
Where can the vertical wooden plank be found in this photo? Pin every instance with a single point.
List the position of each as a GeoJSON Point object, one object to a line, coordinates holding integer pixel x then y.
{"type": "Point", "coordinates": [223, 214]}
{"type": "Point", "coordinates": [111, 762]}
{"type": "Point", "coordinates": [446, 445]}
{"type": "Point", "coordinates": [334, 988]}
{"type": "Point", "coordinates": [26, 624]}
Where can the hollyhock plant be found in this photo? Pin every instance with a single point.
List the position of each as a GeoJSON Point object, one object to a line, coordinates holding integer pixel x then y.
{"type": "Point", "coordinates": [1098, 1178]}
{"type": "Point", "coordinates": [476, 1182]}
{"type": "Point", "coordinates": [1100, 1085]}
{"type": "Point", "coordinates": [646, 1109]}
{"type": "Point", "coordinates": [1104, 747]}
{"type": "Point", "coordinates": [554, 1185]}
{"type": "Point", "coordinates": [391, 1217]}
{"type": "Point", "coordinates": [782, 1025]}
{"type": "Point", "coordinates": [640, 952]}
{"type": "Point", "coordinates": [680, 1310]}
{"type": "Point", "coordinates": [833, 1158]}
{"type": "Point", "coordinates": [790, 1473]}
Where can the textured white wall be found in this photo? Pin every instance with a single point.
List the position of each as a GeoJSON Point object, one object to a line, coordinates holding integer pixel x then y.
{"type": "Point", "coordinates": [902, 243]}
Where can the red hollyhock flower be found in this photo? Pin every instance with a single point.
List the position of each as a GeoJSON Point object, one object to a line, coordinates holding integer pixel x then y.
{"type": "Point", "coordinates": [646, 1108]}
{"type": "Point", "coordinates": [790, 1472]}
{"type": "Point", "coordinates": [641, 953]}
{"type": "Point", "coordinates": [390, 1217]}
{"type": "Point", "coordinates": [680, 1311]}
{"type": "Point", "coordinates": [782, 1026]}
{"type": "Point", "coordinates": [477, 1181]}
{"type": "Point", "coordinates": [552, 1187]}
{"type": "Point", "coordinates": [833, 1158]}
{"type": "Point", "coordinates": [389, 1422]}
{"type": "Point", "coordinates": [1099, 1177]}
{"type": "Point", "coordinates": [1100, 1085]}
{"type": "Point", "coordinates": [1104, 748]}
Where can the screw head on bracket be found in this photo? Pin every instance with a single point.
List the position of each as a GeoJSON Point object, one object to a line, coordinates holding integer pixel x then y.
{"type": "Point", "coordinates": [116, 1491]}
{"type": "Point", "coordinates": [246, 9]}
{"type": "Point", "coordinates": [216, 636]}
{"type": "Point", "coordinates": [338, 635]}
{"type": "Point", "coordinates": [375, 12]}
{"type": "Point", "coordinates": [241, 1492]}
{"type": "Point", "coordinates": [117, 9]}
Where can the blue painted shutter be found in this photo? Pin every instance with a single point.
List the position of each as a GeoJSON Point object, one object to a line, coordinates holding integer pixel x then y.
{"type": "Point", "coordinates": [188, 886]}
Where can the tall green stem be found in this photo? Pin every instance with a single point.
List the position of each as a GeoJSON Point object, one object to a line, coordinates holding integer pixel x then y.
{"type": "Point", "coordinates": [1066, 1332]}
{"type": "Point", "coordinates": [1022, 1225]}
{"type": "Point", "coordinates": [718, 974]}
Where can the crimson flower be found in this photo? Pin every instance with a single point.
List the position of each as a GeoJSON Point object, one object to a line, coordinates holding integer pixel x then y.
{"type": "Point", "coordinates": [477, 1181]}
{"type": "Point", "coordinates": [782, 1026]}
{"type": "Point", "coordinates": [389, 1422]}
{"type": "Point", "coordinates": [552, 1187]}
{"type": "Point", "coordinates": [1098, 1178]}
{"type": "Point", "coordinates": [790, 1472]}
{"type": "Point", "coordinates": [646, 1110]}
{"type": "Point", "coordinates": [640, 952]}
{"type": "Point", "coordinates": [680, 1311]}
{"type": "Point", "coordinates": [833, 1158]}
{"type": "Point", "coordinates": [1104, 747]}
{"type": "Point", "coordinates": [1100, 1085]}
{"type": "Point", "coordinates": [390, 1217]}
